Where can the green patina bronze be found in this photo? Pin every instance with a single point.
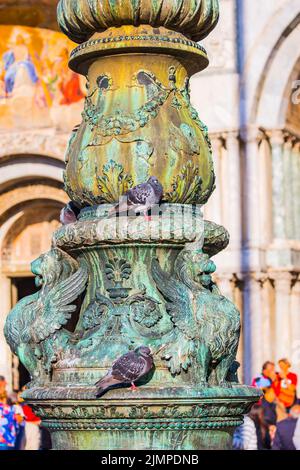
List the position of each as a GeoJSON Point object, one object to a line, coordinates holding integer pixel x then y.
{"type": "Point", "coordinates": [111, 284]}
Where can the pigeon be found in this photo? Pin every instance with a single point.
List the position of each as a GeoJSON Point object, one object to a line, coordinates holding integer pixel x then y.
{"type": "Point", "coordinates": [141, 198]}
{"type": "Point", "coordinates": [127, 369]}
{"type": "Point", "coordinates": [69, 213]}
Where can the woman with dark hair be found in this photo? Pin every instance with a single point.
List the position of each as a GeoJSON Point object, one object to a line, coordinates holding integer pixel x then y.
{"type": "Point", "coordinates": [262, 427]}
{"type": "Point", "coordinates": [244, 437]}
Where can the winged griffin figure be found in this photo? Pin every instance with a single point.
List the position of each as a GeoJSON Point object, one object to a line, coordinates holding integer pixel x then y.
{"type": "Point", "coordinates": [207, 324]}
{"type": "Point", "coordinates": [34, 328]}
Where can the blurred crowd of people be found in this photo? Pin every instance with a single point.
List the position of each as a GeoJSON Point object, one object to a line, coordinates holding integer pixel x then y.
{"type": "Point", "coordinates": [273, 423]}
{"type": "Point", "coordinates": [20, 428]}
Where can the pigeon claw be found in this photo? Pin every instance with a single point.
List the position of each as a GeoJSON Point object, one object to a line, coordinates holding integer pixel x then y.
{"type": "Point", "coordinates": [133, 387]}
{"type": "Point", "coordinates": [148, 218]}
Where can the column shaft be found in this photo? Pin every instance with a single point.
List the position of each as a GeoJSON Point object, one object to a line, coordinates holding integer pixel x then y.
{"type": "Point", "coordinates": [282, 314]}
{"type": "Point", "coordinates": [212, 209]}
{"type": "Point", "coordinates": [288, 189]}
{"type": "Point", "coordinates": [295, 326]}
{"type": "Point", "coordinates": [225, 285]}
{"type": "Point", "coordinates": [265, 186]}
{"type": "Point", "coordinates": [253, 337]}
{"type": "Point", "coordinates": [266, 327]}
{"type": "Point", "coordinates": [251, 188]}
{"type": "Point", "coordinates": [295, 175]}
{"type": "Point", "coordinates": [278, 192]}
{"type": "Point", "coordinates": [233, 180]}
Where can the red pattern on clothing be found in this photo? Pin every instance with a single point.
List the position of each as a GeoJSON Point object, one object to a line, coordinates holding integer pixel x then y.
{"type": "Point", "coordinates": [285, 396]}
{"type": "Point", "coordinates": [29, 415]}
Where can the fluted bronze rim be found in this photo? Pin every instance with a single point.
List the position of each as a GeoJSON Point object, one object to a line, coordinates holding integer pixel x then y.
{"type": "Point", "coordinates": [81, 19]}
{"type": "Point", "coordinates": [192, 53]}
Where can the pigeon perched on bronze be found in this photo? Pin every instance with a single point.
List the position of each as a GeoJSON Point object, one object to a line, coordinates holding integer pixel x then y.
{"type": "Point", "coordinates": [141, 198]}
{"type": "Point", "coordinates": [69, 213]}
{"type": "Point", "coordinates": [128, 369]}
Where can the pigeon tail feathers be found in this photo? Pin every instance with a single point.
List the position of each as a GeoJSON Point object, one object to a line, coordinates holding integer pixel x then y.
{"type": "Point", "coordinates": [122, 206]}
{"type": "Point", "coordinates": [104, 384]}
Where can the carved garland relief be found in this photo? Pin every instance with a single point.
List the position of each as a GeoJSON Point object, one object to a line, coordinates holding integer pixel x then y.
{"type": "Point", "coordinates": [113, 149]}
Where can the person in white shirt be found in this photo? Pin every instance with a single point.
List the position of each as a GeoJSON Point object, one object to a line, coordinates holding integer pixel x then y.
{"type": "Point", "coordinates": [245, 437]}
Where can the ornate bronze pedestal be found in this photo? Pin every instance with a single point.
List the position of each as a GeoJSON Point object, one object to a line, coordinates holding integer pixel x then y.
{"type": "Point", "coordinates": [110, 284]}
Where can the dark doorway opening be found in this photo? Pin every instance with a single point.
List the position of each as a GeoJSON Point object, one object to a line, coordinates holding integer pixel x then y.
{"type": "Point", "coordinates": [23, 286]}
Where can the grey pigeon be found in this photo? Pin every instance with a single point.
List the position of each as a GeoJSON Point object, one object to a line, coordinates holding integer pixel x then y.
{"type": "Point", "coordinates": [69, 213]}
{"type": "Point", "coordinates": [141, 198]}
{"type": "Point", "coordinates": [127, 369]}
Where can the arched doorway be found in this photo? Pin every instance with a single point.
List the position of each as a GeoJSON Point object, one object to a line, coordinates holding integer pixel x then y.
{"type": "Point", "coordinates": [28, 237]}
{"type": "Point", "coordinates": [29, 214]}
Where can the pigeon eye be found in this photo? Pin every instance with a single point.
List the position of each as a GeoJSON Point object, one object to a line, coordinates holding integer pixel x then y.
{"type": "Point", "coordinates": [103, 82]}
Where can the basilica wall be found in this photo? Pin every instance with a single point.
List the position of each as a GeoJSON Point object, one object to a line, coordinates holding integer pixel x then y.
{"type": "Point", "coordinates": [248, 98]}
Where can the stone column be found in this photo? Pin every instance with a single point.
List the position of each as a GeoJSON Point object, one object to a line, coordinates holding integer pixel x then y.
{"type": "Point", "coordinates": [212, 209]}
{"type": "Point", "coordinates": [252, 325]}
{"type": "Point", "coordinates": [278, 191]}
{"type": "Point", "coordinates": [251, 198]}
{"type": "Point", "coordinates": [233, 221]}
{"type": "Point", "coordinates": [282, 283]}
{"type": "Point", "coordinates": [5, 306]}
{"type": "Point", "coordinates": [266, 325]}
{"type": "Point", "coordinates": [225, 285]}
{"type": "Point", "coordinates": [295, 176]}
{"type": "Point", "coordinates": [295, 324]}
{"type": "Point", "coordinates": [289, 197]}
{"type": "Point", "coordinates": [265, 187]}
{"type": "Point", "coordinates": [238, 301]}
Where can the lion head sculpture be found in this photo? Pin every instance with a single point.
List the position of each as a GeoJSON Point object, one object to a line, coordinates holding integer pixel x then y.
{"type": "Point", "coordinates": [52, 267]}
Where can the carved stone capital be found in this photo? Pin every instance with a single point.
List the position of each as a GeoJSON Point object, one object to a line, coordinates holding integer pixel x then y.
{"type": "Point", "coordinates": [231, 136]}
{"type": "Point", "coordinates": [296, 146]}
{"type": "Point", "coordinates": [251, 135]}
{"type": "Point", "coordinates": [282, 281]}
{"type": "Point", "coordinates": [253, 281]}
{"type": "Point", "coordinates": [276, 137]}
{"type": "Point", "coordinates": [226, 277]}
{"type": "Point", "coordinates": [296, 285]}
